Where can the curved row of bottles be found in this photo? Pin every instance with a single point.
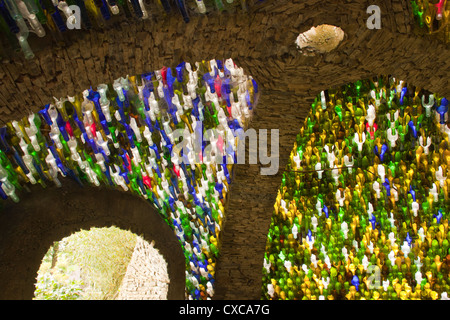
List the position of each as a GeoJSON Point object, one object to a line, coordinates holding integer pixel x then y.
{"type": "Point", "coordinates": [362, 211]}
{"type": "Point", "coordinates": [20, 17]}
{"type": "Point", "coordinates": [168, 136]}
{"type": "Point", "coordinates": [433, 16]}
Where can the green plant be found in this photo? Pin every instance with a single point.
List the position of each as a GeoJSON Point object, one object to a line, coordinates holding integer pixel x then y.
{"type": "Point", "coordinates": [50, 288]}
{"type": "Point", "coordinates": [89, 264]}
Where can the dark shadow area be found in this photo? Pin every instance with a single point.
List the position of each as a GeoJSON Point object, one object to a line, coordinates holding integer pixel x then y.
{"type": "Point", "coordinates": [28, 229]}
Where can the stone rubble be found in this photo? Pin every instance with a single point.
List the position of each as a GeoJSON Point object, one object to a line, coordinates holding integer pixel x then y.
{"type": "Point", "coordinates": [146, 277]}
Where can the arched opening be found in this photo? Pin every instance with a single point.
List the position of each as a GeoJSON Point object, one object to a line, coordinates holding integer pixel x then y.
{"type": "Point", "coordinates": [361, 210]}
{"type": "Point", "coordinates": [168, 136]}
{"type": "Point", "coordinates": [102, 264]}
{"type": "Point", "coordinates": [46, 215]}
{"type": "Point", "coordinates": [240, 265]}
{"type": "Point", "coordinates": [73, 68]}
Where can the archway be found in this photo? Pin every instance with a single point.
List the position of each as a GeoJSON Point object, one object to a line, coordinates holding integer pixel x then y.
{"type": "Point", "coordinates": [286, 79]}
{"type": "Point", "coordinates": [338, 191]}
{"type": "Point", "coordinates": [45, 215]}
{"type": "Point", "coordinates": [170, 137]}
{"type": "Point", "coordinates": [242, 252]}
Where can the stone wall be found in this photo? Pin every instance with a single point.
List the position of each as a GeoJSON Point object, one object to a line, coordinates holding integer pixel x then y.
{"type": "Point", "coordinates": [262, 42]}
{"type": "Point", "coordinates": [146, 277]}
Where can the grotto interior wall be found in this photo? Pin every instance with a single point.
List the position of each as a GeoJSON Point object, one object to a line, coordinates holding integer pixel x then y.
{"type": "Point", "coordinates": [262, 42]}
{"type": "Point", "coordinates": [30, 227]}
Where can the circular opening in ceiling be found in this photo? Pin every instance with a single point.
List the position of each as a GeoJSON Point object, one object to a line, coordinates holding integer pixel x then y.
{"type": "Point", "coordinates": [320, 39]}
